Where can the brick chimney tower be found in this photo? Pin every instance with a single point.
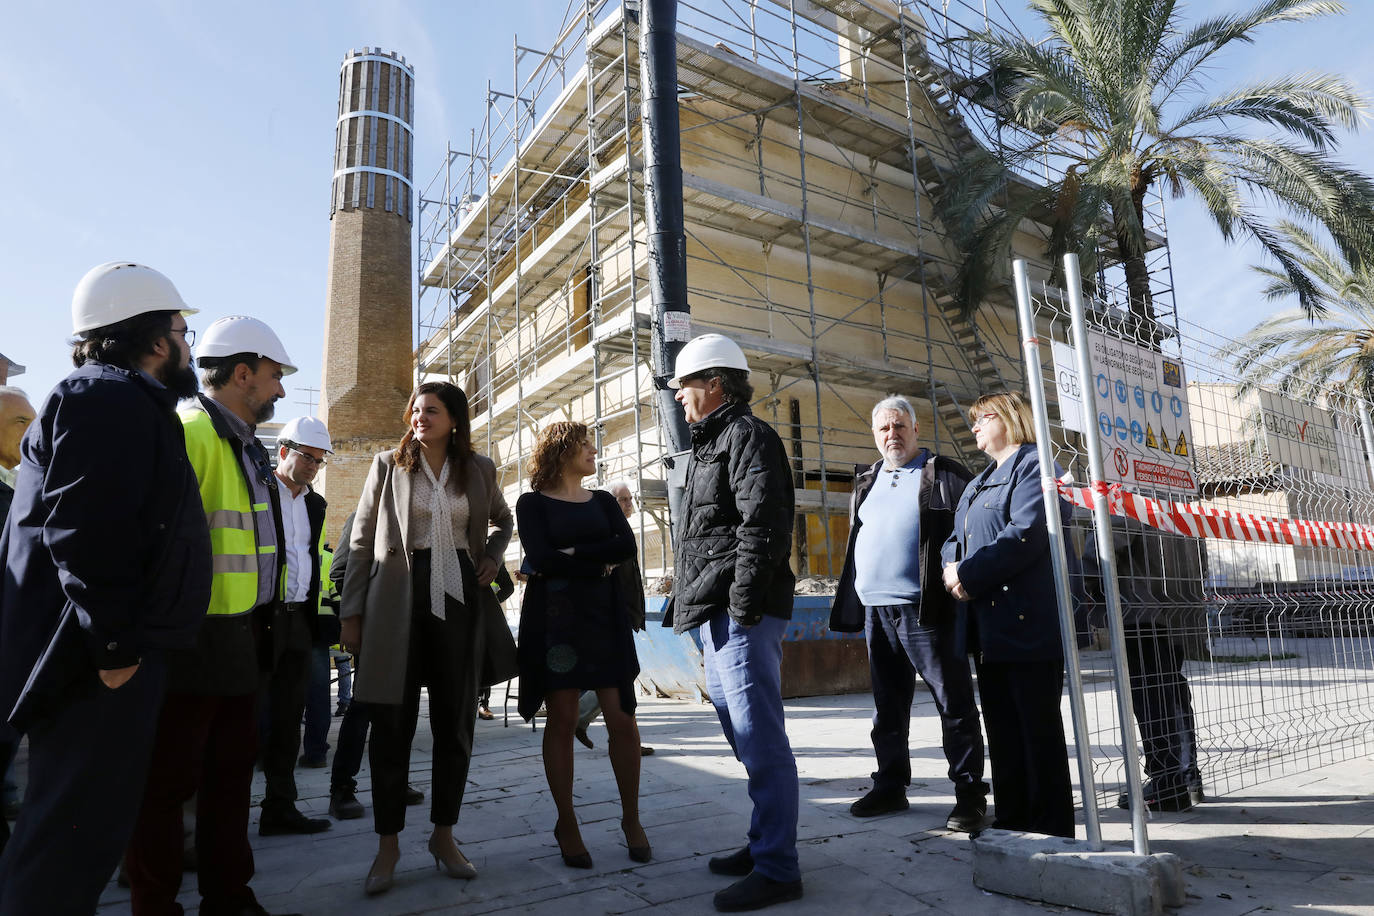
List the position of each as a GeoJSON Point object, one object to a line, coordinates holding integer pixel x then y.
{"type": "Point", "coordinates": [368, 351]}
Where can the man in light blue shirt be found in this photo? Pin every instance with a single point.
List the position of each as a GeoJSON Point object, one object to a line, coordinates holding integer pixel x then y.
{"type": "Point", "coordinates": [890, 588]}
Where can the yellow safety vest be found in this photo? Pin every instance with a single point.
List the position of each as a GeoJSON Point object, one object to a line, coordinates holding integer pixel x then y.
{"type": "Point", "coordinates": [230, 512]}
{"type": "Point", "coordinates": [326, 585]}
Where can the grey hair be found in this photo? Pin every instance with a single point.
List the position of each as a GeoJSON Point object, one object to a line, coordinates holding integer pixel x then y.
{"type": "Point", "coordinates": [894, 402]}
{"type": "Point", "coordinates": [612, 485]}
{"type": "Point", "coordinates": [10, 391]}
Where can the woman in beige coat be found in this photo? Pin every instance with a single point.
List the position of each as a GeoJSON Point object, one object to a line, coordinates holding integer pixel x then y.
{"type": "Point", "coordinates": [434, 525]}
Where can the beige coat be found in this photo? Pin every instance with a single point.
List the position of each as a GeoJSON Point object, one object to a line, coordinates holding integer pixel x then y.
{"type": "Point", "coordinates": [380, 590]}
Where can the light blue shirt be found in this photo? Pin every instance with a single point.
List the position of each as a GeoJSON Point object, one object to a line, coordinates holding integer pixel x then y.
{"type": "Point", "coordinates": [887, 555]}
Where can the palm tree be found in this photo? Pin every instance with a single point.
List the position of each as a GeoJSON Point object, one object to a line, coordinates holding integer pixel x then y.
{"type": "Point", "coordinates": [1115, 98]}
{"type": "Point", "coordinates": [1327, 351]}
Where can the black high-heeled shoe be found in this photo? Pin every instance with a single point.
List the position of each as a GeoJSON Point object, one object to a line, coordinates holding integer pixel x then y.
{"type": "Point", "coordinates": [581, 859]}
{"type": "Point", "coordinates": [644, 853]}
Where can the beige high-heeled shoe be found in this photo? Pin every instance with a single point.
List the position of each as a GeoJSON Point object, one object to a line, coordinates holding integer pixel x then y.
{"type": "Point", "coordinates": [455, 865]}
{"type": "Point", "coordinates": [380, 878]}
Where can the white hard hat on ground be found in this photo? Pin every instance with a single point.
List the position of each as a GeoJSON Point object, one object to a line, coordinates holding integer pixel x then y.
{"type": "Point", "coordinates": [118, 290]}
{"type": "Point", "coordinates": [241, 334]}
{"type": "Point", "coordinates": [309, 431]}
{"type": "Point", "coordinates": [709, 351]}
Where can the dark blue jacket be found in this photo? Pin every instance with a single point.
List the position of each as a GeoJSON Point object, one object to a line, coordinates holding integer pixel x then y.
{"type": "Point", "coordinates": [1003, 550]}
{"type": "Point", "coordinates": [106, 550]}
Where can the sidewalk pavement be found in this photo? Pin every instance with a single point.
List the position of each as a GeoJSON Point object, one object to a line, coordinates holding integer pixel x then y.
{"type": "Point", "coordinates": [1300, 842]}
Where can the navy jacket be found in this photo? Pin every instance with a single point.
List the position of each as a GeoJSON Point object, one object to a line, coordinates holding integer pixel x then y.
{"type": "Point", "coordinates": [1002, 546]}
{"type": "Point", "coordinates": [106, 549]}
{"type": "Point", "coordinates": [734, 535]}
{"type": "Point", "coordinates": [942, 483]}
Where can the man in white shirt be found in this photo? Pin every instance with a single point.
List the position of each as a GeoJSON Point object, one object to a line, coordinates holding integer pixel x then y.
{"type": "Point", "coordinates": [303, 446]}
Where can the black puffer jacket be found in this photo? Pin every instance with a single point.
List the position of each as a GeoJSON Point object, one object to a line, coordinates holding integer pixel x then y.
{"type": "Point", "coordinates": [734, 534]}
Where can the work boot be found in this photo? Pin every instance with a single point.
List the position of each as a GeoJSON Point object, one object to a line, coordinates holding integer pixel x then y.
{"type": "Point", "coordinates": [1162, 794]}
{"type": "Point", "coordinates": [880, 801]}
{"type": "Point", "coordinates": [754, 892]}
{"type": "Point", "coordinates": [280, 821]}
{"type": "Point", "coordinates": [969, 813]}
{"type": "Point", "coordinates": [345, 806]}
{"type": "Point", "coordinates": [737, 864]}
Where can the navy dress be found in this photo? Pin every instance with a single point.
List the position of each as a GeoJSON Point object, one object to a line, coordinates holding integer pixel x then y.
{"type": "Point", "coordinates": [575, 632]}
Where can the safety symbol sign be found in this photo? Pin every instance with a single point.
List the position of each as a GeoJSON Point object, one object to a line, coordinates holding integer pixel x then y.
{"type": "Point", "coordinates": [1137, 397]}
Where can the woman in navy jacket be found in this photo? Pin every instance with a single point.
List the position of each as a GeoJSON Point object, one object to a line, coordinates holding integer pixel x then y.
{"type": "Point", "coordinates": [997, 562]}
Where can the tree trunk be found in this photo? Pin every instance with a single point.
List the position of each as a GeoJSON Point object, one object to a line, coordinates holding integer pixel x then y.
{"type": "Point", "coordinates": [1137, 270]}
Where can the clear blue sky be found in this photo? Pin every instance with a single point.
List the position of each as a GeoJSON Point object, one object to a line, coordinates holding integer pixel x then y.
{"type": "Point", "coordinates": [198, 139]}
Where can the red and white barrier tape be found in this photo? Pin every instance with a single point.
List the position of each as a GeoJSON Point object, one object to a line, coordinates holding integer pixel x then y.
{"type": "Point", "coordinates": [1203, 522]}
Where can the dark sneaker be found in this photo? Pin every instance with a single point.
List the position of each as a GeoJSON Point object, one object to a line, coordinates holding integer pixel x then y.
{"type": "Point", "coordinates": [968, 814]}
{"type": "Point", "coordinates": [277, 822]}
{"type": "Point", "coordinates": [880, 801]}
{"type": "Point", "coordinates": [580, 734]}
{"type": "Point", "coordinates": [345, 806]}
{"type": "Point", "coordinates": [413, 795]}
{"type": "Point", "coordinates": [754, 892]}
{"type": "Point", "coordinates": [312, 763]}
{"type": "Point", "coordinates": [737, 864]}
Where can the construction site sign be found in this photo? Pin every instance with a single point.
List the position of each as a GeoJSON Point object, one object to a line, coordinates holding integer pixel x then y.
{"type": "Point", "coordinates": [1138, 401]}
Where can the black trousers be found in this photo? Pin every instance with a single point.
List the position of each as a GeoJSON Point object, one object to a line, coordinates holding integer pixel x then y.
{"type": "Point", "coordinates": [9, 746]}
{"type": "Point", "coordinates": [443, 659]}
{"type": "Point", "coordinates": [87, 767]}
{"type": "Point", "coordinates": [1163, 706]}
{"type": "Point", "coordinates": [1030, 762]}
{"type": "Point", "coordinates": [283, 699]}
{"type": "Point", "coordinates": [348, 757]}
{"type": "Point", "coordinates": [899, 648]}
{"type": "Point", "coordinates": [205, 747]}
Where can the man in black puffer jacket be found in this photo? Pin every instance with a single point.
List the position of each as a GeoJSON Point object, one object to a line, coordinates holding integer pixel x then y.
{"type": "Point", "coordinates": [732, 578]}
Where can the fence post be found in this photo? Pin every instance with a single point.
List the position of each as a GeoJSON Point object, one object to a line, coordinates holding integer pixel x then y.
{"type": "Point", "coordinates": [1367, 433]}
{"type": "Point", "coordinates": [1106, 555]}
{"type": "Point", "coordinates": [1049, 489]}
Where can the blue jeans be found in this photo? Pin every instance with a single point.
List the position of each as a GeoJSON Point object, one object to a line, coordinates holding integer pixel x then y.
{"type": "Point", "coordinates": [899, 648]}
{"type": "Point", "coordinates": [344, 665]}
{"type": "Point", "coordinates": [315, 743]}
{"type": "Point", "coordinates": [744, 678]}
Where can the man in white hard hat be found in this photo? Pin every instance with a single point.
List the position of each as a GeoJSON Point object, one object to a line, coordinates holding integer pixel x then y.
{"type": "Point", "coordinates": [303, 446]}
{"type": "Point", "coordinates": [107, 569]}
{"type": "Point", "coordinates": [732, 578]}
{"type": "Point", "coordinates": [207, 738]}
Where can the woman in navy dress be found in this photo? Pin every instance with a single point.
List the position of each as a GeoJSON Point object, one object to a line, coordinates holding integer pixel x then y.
{"type": "Point", "coordinates": [997, 561]}
{"type": "Point", "coordinates": [575, 633]}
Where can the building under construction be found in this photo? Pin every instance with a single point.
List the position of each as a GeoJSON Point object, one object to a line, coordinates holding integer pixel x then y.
{"type": "Point", "coordinates": [815, 135]}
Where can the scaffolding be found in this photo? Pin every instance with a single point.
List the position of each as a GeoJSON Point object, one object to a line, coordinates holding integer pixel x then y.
{"type": "Point", "coordinates": [815, 136]}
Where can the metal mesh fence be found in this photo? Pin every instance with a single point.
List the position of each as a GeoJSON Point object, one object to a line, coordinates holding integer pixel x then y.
{"type": "Point", "coordinates": [1250, 654]}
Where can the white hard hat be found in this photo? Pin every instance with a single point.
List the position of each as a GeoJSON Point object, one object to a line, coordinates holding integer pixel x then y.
{"type": "Point", "coordinates": [306, 431]}
{"type": "Point", "coordinates": [118, 290]}
{"type": "Point", "coordinates": [241, 334]}
{"type": "Point", "coordinates": [709, 351]}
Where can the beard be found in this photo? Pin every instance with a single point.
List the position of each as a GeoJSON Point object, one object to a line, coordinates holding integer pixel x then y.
{"type": "Point", "coordinates": [264, 412]}
{"type": "Point", "coordinates": [180, 380]}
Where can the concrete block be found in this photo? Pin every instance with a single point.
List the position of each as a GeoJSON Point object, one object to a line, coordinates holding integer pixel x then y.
{"type": "Point", "coordinates": [1065, 872]}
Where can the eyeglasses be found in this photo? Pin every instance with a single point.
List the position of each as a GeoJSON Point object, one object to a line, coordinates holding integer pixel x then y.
{"type": "Point", "coordinates": [983, 420]}
{"type": "Point", "coordinates": [309, 459]}
{"type": "Point", "coordinates": [188, 334]}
